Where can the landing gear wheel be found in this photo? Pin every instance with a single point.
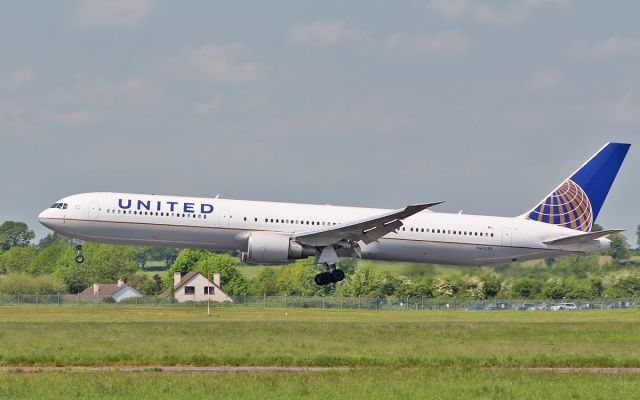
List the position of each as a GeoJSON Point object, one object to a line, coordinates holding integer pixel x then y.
{"type": "Point", "coordinates": [323, 278]}
{"type": "Point", "coordinates": [337, 275]}
{"type": "Point", "coordinates": [79, 256]}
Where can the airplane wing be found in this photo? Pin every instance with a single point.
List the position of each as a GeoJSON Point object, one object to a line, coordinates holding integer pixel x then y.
{"type": "Point", "coordinates": [368, 230]}
{"type": "Point", "coordinates": [583, 237]}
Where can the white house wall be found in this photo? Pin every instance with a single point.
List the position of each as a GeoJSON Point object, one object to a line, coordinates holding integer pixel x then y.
{"type": "Point", "coordinates": [125, 293]}
{"type": "Point", "coordinates": [199, 282]}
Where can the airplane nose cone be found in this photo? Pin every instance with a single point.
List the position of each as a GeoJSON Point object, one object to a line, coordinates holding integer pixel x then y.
{"type": "Point", "coordinates": [43, 218]}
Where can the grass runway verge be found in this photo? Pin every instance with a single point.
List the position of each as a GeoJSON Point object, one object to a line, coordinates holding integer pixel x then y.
{"type": "Point", "coordinates": [114, 336]}
{"type": "Point", "coordinates": [389, 354]}
{"type": "Point", "coordinates": [370, 383]}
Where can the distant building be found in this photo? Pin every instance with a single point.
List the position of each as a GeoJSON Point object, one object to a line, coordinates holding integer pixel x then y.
{"type": "Point", "coordinates": [194, 286]}
{"type": "Point", "coordinates": [117, 291]}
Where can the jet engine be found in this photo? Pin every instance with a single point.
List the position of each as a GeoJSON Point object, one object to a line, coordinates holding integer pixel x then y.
{"type": "Point", "coordinates": [274, 248]}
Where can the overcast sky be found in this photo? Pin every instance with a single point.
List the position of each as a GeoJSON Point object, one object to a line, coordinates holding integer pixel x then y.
{"type": "Point", "coordinates": [485, 104]}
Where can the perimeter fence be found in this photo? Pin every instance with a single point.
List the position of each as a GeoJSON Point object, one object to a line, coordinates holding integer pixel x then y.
{"type": "Point", "coordinates": [330, 302]}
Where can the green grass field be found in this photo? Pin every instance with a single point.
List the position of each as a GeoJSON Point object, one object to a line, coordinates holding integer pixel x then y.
{"type": "Point", "coordinates": [376, 383]}
{"type": "Point", "coordinates": [424, 354]}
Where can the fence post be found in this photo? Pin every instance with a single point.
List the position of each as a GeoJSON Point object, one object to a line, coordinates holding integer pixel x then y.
{"type": "Point", "coordinates": [407, 302]}
{"type": "Point", "coordinates": [358, 302]}
{"type": "Point", "coordinates": [58, 298]}
{"type": "Point", "coordinates": [376, 303]}
{"type": "Point", "coordinates": [422, 302]}
{"type": "Point", "coordinates": [264, 300]}
{"type": "Point", "coordinates": [37, 298]}
{"type": "Point", "coordinates": [323, 302]}
{"type": "Point", "coordinates": [78, 298]}
{"type": "Point", "coordinates": [285, 301]}
{"type": "Point", "coordinates": [18, 297]}
{"type": "Point", "coordinates": [341, 300]}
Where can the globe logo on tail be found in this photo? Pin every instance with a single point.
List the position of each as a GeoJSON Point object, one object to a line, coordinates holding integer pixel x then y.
{"type": "Point", "coordinates": [567, 206]}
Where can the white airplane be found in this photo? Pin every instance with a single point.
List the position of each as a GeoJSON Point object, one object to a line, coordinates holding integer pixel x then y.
{"type": "Point", "coordinates": [268, 232]}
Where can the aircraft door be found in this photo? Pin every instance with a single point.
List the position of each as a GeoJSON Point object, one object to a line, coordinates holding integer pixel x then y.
{"type": "Point", "coordinates": [507, 236]}
{"type": "Point", "coordinates": [224, 219]}
{"type": "Point", "coordinates": [94, 211]}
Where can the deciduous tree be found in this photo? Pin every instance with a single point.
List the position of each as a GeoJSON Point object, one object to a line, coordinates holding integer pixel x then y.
{"type": "Point", "coordinates": [14, 233]}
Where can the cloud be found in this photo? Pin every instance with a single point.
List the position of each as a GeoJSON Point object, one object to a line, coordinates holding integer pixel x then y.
{"type": "Point", "coordinates": [612, 46]}
{"type": "Point", "coordinates": [19, 77]}
{"type": "Point", "coordinates": [77, 118]}
{"type": "Point", "coordinates": [544, 80]}
{"type": "Point", "coordinates": [451, 41]}
{"type": "Point", "coordinates": [482, 12]}
{"type": "Point", "coordinates": [112, 13]}
{"type": "Point", "coordinates": [209, 106]}
{"type": "Point", "coordinates": [218, 64]}
{"type": "Point", "coordinates": [323, 33]}
{"type": "Point", "coordinates": [623, 110]}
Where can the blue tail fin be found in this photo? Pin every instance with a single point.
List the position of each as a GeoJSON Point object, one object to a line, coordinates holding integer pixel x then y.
{"type": "Point", "coordinates": [576, 203]}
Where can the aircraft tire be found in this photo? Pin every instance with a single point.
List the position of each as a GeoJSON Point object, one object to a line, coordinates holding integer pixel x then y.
{"type": "Point", "coordinates": [79, 258]}
{"type": "Point", "coordinates": [323, 278]}
{"type": "Point", "coordinates": [337, 275]}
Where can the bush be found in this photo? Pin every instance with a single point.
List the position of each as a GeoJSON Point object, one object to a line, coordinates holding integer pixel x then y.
{"type": "Point", "coordinates": [28, 284]}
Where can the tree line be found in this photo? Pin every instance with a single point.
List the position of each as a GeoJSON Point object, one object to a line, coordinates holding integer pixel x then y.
{"type": "Point", "coordinates": [49, 267]}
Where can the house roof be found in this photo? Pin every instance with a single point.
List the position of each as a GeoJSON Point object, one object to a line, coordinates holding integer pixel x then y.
{"type": "Point", "coordinates": [106, 289]}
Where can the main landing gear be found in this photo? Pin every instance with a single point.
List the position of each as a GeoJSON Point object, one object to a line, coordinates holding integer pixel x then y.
{"type": "Point", "coordinates": [79, 257]}
{"type": "Point", "coordinates": [332, 275]}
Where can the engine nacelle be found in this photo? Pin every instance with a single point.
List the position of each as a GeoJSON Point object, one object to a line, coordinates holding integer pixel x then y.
{"type": "Point", "coordinates": [273, 248]}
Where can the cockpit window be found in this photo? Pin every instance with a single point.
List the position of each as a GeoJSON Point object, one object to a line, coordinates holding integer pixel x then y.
{"type": "Point", "coordinates": [62, 206]}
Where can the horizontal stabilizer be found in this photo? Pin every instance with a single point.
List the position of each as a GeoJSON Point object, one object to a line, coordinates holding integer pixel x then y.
{"type": "Point", "coordinates": [582, 238]}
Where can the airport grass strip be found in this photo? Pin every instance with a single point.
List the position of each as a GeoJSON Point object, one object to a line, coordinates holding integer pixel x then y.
{"type": "Point", "coordinates": [370, 383]}
{"type": "Point", "coordinates": [63, 336]}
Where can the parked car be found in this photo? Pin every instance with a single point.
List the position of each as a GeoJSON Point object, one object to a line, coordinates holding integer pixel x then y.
{"type": "Point", "coordinates": [524, 306]}
{"type": "Point", "coordinates": [474, 307]}
{"type": "Point", "coordinates": [619, 305]}
{"type": "Point", "coordinates": [564, 306]}
{"type": "Point", "coordinates": [498, 305]}
{"type": "Point", "coordinates": [590, 306]}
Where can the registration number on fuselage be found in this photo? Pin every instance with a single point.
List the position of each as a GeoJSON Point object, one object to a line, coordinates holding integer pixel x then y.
{"type": "Point", "coordinates": [484, 248]}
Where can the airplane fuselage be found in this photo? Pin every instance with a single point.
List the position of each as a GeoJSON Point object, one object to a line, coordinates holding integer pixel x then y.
{"type": "Point", "coordinates": [226, 225]}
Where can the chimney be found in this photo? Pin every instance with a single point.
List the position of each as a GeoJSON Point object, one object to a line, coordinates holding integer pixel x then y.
{"type": "Point", "coordinates": [96, 288]}
{"type": "Point", "coordinates": [216, 279]}
{"type": "Point", "coordinates": [120, 282]}
{"type": "Point", "coordinates": [177, 277]}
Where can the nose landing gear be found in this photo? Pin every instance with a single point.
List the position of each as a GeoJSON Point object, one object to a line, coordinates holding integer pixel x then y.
{"type": "Point", "coordinates": [79, 257]}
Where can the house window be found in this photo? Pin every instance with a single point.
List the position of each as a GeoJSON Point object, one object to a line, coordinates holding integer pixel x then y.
{"type": "Point", "coordinates": [209, 288]}
{"type": "Point", "coordinates": [189, 290]}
